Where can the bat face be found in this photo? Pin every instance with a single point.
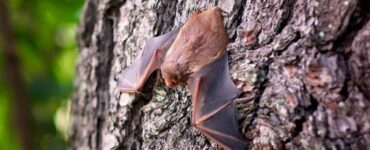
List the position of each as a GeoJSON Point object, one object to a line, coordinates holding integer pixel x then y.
{"type": "Point", "coordinates": [200, 41]}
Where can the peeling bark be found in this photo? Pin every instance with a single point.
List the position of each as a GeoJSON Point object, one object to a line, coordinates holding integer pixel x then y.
{"type": "Point", "coordinates": [303, 67]}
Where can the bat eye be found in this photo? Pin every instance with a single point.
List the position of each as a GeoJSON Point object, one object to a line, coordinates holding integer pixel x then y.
{"type": "Point", "coordinates": [173, 81]}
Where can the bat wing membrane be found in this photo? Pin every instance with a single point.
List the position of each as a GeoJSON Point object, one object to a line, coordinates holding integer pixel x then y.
{"type": "Point", "coordinates": [133, 78]}
{"type": "Point", "coordinates": [213, 91]}
{"type": "Point", "coordinates": [214, 111]}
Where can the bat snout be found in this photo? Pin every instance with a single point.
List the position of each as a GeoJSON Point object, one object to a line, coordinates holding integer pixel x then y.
{"type": "Point", "coordinates": [170, 73]}
{"type": "Point", "coordinates": [170, 82]}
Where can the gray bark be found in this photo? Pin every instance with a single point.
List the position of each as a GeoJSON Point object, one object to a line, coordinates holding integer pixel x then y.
{"type": "Point", "coordinates": [303, 67]}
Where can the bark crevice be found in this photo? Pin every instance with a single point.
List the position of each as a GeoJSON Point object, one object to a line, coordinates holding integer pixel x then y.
{"type": "Point", "coordinates": [302, 67]}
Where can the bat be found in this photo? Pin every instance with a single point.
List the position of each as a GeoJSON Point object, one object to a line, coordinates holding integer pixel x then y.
{"type": "Point", "coordinates": [196, 55]}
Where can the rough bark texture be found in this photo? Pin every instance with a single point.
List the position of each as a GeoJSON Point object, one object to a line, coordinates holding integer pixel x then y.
{"type": "Point", "coordinates": [303, 66]}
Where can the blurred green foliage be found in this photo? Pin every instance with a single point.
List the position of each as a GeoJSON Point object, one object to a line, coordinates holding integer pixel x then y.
{"type": "Point", "coordinates": [45, 38]}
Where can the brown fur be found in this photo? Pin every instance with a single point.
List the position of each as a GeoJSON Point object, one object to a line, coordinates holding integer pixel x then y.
{"type": "Point", "coordinates": [195, 46]}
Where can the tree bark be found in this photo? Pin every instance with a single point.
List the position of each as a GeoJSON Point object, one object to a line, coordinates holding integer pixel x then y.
{"type": "Point", "coordinates": [303, 67]}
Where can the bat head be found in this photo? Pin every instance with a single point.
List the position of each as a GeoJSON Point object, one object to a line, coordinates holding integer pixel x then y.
{"type": "Point", "coordinates": [173, 74]}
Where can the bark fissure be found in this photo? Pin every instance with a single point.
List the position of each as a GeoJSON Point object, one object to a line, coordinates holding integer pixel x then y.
{"type": "Point", "coordinates": [302, 67]}
{"type": "Point", "coordinates": [87, 24]}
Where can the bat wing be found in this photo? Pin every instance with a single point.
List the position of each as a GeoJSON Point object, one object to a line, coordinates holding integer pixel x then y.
{"type": "Point", "coordinates": [133, 78]}
{"type": "Point", "coordinates": [214, 111]}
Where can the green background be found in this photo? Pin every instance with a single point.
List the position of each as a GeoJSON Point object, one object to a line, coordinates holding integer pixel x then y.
{"type": "Point", "coordinates": [45, 35]}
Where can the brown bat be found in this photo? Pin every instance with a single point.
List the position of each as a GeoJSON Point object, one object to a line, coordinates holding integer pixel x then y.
{"type": "Point", "coordinates": [195, 55]}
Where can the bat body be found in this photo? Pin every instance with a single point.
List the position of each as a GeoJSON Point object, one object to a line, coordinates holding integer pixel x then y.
{"type": "Point", "coordinates": [200, 41]}
{"type": "Point", "coordinates": [195, 55]}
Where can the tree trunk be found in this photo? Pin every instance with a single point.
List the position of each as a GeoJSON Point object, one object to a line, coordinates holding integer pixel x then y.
{"type": "Point", "coordinates": [303, 67]}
